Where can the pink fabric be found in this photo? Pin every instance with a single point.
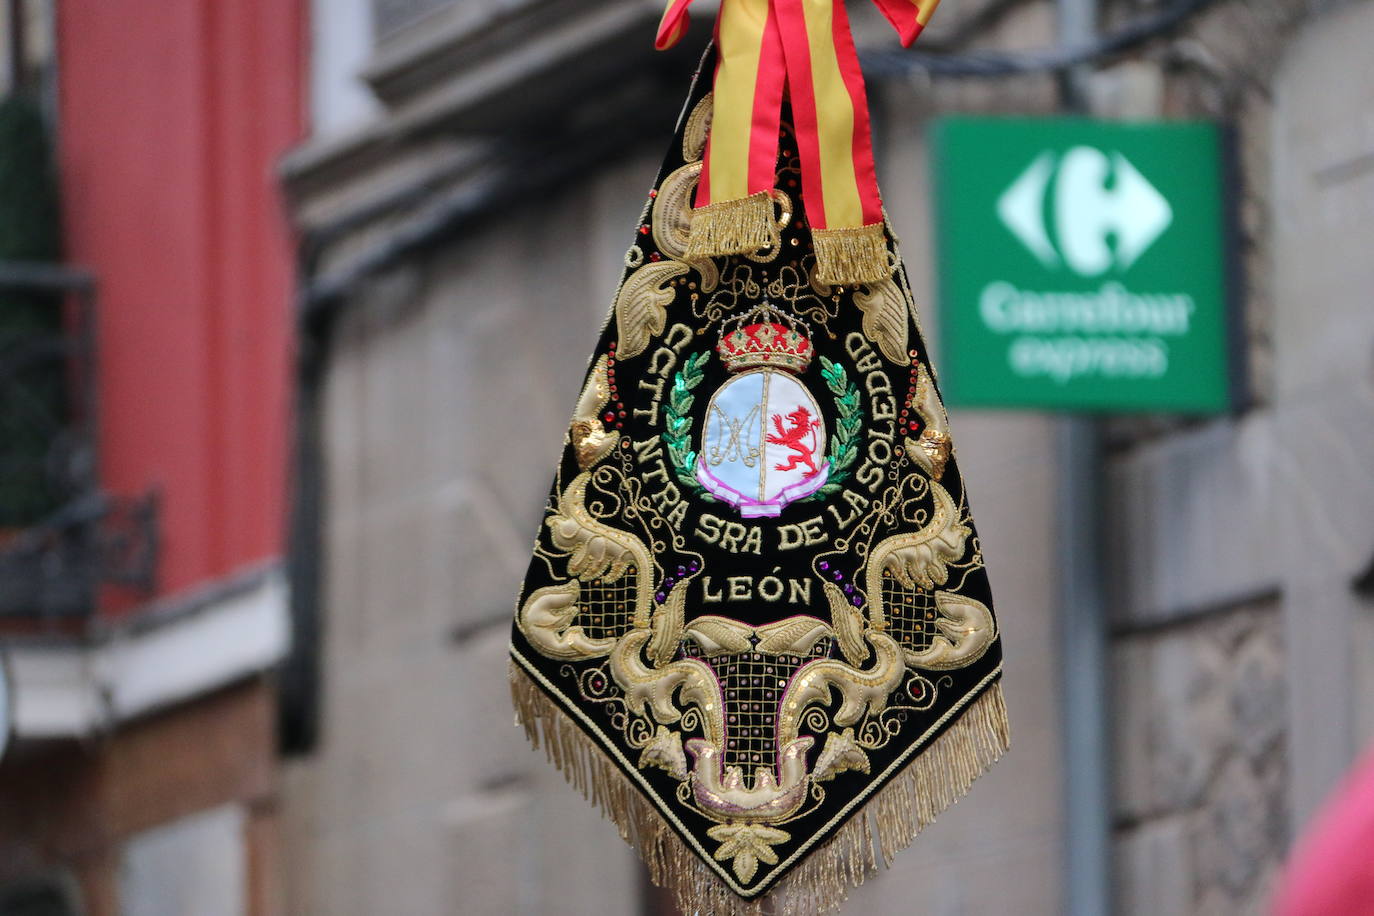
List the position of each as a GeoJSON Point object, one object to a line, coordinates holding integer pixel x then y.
{"type": "Point", "coordinates": [1331, 871]}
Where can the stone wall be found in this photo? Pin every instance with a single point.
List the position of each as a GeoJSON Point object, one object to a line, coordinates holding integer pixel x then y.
{"type": "Point", "coordinates": [445, 407]}
{"type": "Point", "coordinates": [1235, 541]}
{"type": "Point", "coordinates": [1199, 740]}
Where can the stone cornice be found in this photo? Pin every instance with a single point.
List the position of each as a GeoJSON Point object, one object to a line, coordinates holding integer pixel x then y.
{"type": "Point", "coordinates": [453, 78]}
{"type": "Point", "coordinates": [470, 95]}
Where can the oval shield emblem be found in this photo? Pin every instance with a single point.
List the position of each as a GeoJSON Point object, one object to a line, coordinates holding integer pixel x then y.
{"type": "Point", "coordinates": [763, 443]}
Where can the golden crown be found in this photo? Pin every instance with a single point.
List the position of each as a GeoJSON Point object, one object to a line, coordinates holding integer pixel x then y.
{"type": "Point", "coordinates": [765, 338]}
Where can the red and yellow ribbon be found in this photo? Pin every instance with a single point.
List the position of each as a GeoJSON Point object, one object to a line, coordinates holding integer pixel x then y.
{"type": "Point", "coordinates": [803, 46]}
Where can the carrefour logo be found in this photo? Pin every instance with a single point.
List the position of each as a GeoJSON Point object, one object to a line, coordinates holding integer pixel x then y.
{"type": "Point", "coordinates": [1085, 210]}
{"type": "Point", "coordinates": [1083, 262]}
{"type": "Point", "coordinates": [1090, 213]}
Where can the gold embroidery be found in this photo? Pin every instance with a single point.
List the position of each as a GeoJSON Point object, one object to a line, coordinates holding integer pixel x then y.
{"type": "Point", "coordinates": [672, 222]}
{"type": "Point", "coordinates": [796, 636]}
{"type": "Point", "coordinates": [885, 323]}
{"type": "Point", "coordinates": [731, 536]}
{"type": "Point", "coordinates": [806, 534]}
{"type": "Point", "coordinates": [720, 635]}
{"type": "Point", "coordinates": [672, 213]}
{"type": "Point", "coordinates": [840, 754]}
{"type": "Point", "coordinates": [590, 440]}
{"type": "Point", "coordinates": [743, 283]}
{"type": "Point", "coordinates": [724, 636]}
{"type": "Point", "coordinates": [698, 128]}
{"type": "Point", "coordinates": [641, 307]}
{"type": "Point", "coordinates": [656, 686]}
{"type": "Point", "coordinates": [820, 288]}
{"type": "Point", "coordinates": [860, 690]}
{"type": "Point", "coordinates": [968, 630]}
{"type": "Point", "coordinates": [598, 551]}
{"type": "Point", "coordinates": [720, 791]}
{"type": "Point", "coordinates": [546, 620]}
{"type": "Point", "coordinates": [921, 558]}
{"type": "Point", "coordinates": [849, 625]}
{"type": "Point", "coordinates": [663, 683]}
{"type": "Point", "coordinates": [747, 845]}
{"type": "Point", "coordinates": [940, 773]}
{"type": "Point", "coordinates": [932, 451]}
{"type": "Point", "coordinates": [665, 751]}
{"type": "Point", "coordinates": [668, 625]}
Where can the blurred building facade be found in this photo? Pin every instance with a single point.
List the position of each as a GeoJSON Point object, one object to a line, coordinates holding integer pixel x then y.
{"type": "Point", "coordinates": [143, 598]}
{"type": "Point", "coordinates": [465, 202]}
{"type": "Point", "coordinates": [463, 178]}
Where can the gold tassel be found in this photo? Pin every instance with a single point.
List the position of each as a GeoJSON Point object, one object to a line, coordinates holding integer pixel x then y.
{"type": "Point", "coordinates": [941, 774]}
{"type": "Point", "coordinates": [848, 256]}
{"type": "Point", "coordinates": [728, 227]}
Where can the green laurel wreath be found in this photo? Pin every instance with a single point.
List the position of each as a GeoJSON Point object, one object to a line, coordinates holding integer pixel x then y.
{"type": "Point", "coordinates": [677, 425]}
{"type": "Point", "coordinates": [844, 447]}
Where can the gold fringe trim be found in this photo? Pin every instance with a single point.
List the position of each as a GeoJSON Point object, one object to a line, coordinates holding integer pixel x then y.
{"type": "Point", "coordinates": [729, 227]}
{"type": "Point", "coordinates": [939, 776]}
{"type": "Point", "coordinates": [848, 256]}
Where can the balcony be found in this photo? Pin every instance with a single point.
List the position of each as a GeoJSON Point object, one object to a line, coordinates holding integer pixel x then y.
{"type": "Point", "coordinates": [62, 538]}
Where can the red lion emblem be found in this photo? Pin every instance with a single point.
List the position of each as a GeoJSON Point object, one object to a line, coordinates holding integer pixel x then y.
{"type": "Point", "coordinates": [802, 425]}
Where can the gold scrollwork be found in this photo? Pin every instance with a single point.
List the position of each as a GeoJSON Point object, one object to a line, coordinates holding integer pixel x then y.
{"type": "Point", "coordinates": [596, 550]}
{"type": "Point", "coordinates": [861, 690]}
{"type": "Point", "coordinates": [966, 631]}
{"type": "Point", "coordinates": [641, 307]}
{"type": "Point", "coordinates": [673, 210]}
{"type": "Point", "coordinates": [689, 678]}
{"type": "Point", "coordinates": [591, 442]}
{"type": "Point", "coordinates": [546, 619]}
{"type": "Point", "coordinates": [933, 449]}
{"type": "Point", "coordinates": [672, 222]}
{"type": "Point", "coordinates": [840, 754]}
{"type": "Point", "coordinates": [921, 558]}
{"type": "Point", "coordinates": [698, 128]}
{"type": "Point", "coordinates": [885, 310]}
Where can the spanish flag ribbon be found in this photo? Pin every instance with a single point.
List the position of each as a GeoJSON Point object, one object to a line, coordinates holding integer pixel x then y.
{"type": "Point", "coordinates": [804, 47]}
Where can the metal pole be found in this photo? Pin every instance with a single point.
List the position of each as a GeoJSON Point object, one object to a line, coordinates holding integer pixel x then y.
{"type": "Point", "coordinates": [1083, 607]}
{"type": "Point", "coordinates": [1083, 614]}
{"type": "Point", "coordinates": [1077, 27]}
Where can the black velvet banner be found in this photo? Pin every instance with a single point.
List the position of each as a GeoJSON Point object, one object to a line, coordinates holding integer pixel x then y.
{"type": "Point", "coordinates": [757, 602]}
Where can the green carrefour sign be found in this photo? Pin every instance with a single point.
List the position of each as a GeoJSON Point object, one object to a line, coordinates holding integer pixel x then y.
{"type": "Point", "coordinates": [1082, 264]}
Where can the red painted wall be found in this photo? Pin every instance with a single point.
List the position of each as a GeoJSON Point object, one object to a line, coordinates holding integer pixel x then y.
{"type": "Point", "coordinates": [172, 117]}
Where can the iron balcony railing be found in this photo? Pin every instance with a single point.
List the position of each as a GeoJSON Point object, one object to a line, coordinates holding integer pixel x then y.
{"type": "Point", "coordinates": [61, 536]}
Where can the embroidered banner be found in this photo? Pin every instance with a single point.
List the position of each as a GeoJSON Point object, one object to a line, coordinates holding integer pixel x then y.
{"type": "Point", "coordinates": [756, 627]}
